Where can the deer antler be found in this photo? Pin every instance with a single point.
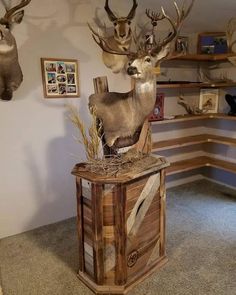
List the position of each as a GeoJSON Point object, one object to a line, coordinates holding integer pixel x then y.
{"type": "Point", "coordinates": [154, 16]}
{"type": "Point", "coordinates": [102, 43]}
{"type": "Point", "coordinates": [131, 14]}
{"type": "Point", "coordinates": [176, 25]}
{"type": "Point", "coordinates": [112, 16]}
{"type": "Point", "coordinates": [231, 28]}
{"type": "Point", "coordinates": [10, 12]}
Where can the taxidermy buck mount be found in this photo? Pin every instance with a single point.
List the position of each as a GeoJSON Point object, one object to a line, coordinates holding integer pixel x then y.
{"type": "Point", "coordinates": [10, 71]}
{"type": "Point", "coordinates": [123, 114]}
{"type": "Point", "coordinates": [121, 40]}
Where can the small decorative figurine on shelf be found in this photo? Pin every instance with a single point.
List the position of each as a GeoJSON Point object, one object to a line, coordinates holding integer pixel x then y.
{"type": "Point", "coordinates": [190, 109]}
{"type": "Point", "coordinates": [231, 100]}
{"type": "Point", "coordinates": [11, 75]}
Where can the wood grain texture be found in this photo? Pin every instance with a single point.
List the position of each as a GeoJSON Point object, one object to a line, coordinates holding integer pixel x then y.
{"type": "Point", "coordinates": [143, 203]}
{"type": "Point", "coordinates": [97, 212]}
{"type": "Point", "coordinates": [203, 57]}
{"type": "Point", "coordinates": [183, 118]}
{"type": "Point", "coordinates": [198, 162]}
{"type": "Point", "coordinates": [120, 235]}
{"type": "Point", "coordinates": [100, 84]}
{"type": "Point", "coordinates": [163, 215]}
{"type": "Point", "coordinates": [114, 259]}
{"type": "Point", "coordinates": [191, 140]}
{"type": "Point", "coordinates": [81, 171]}
{"type": "Point", "coordinates": [144, 143]}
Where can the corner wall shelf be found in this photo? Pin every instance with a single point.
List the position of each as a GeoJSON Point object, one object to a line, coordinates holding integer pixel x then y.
{"type": "Point", "coordinates": [203, 57]}
{"type": "Point", "coordinates": [183, 118]}
{"type": "Point", "coordinates": [199, 162]}
{"type": "Point", "coordinates": [191, 140]}
{"type": "Point", "coordinates": [195, 85]}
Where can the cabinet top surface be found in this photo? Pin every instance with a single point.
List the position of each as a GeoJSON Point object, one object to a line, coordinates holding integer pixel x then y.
{"type": "Point", "coordinates": [153, 164]}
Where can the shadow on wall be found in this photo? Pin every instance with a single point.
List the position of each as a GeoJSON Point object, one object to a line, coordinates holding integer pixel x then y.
{"type": "Point", "coordinates": [53, 189]}
{"type": "Point", "coordinates": [55, 194]}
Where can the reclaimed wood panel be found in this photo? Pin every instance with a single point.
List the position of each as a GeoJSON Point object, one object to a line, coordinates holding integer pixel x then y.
{"type": "Point", "coordinates": [97, 212]}
{"type": "Point", "coordinates": [121, 226]}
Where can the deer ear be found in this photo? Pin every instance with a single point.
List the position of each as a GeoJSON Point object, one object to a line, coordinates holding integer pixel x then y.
{"type": "Point", "coordinates": [17, 17]}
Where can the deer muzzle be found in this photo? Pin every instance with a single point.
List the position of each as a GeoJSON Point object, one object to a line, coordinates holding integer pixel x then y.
{"type": "Point", "coordinates": [132, 71]}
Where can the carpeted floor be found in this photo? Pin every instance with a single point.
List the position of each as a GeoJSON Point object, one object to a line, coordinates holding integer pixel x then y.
{"type": "Point", "coordinates": [201, 247]}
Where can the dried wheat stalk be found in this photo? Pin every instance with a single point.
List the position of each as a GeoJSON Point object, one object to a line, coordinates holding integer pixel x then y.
{"type": "Point", "coordinates": [91, 141]}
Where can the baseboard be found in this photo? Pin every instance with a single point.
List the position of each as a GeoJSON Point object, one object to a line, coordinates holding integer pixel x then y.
{"type": "Point", "coordinates": [185, 180]}
{"type": "Point", "coordinates": [219, 182]}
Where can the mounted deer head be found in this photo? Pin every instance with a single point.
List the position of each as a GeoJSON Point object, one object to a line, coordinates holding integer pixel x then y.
{"type": "Point", "coordinates": [11, 74]}
{"type": "Point", "coordinates": [123, 114]}
{"type": "Point", "coordinates": [120, 40]}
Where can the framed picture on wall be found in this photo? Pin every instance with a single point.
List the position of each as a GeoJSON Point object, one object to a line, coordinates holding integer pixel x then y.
{"type": "Point", "coordinates": [209, 100]}
{"type": "Point", "coordinates": [158, 111]}
{"type": "Point", "coordinates": [182, 44]}
{"type": "Point", "coordinates": [60, 77]}
{"type": "Point", "coordinates": [212, 43]}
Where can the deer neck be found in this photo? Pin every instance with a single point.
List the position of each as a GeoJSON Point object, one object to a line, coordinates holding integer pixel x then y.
{"type": "Point", "coordinates": [144, 97]}
{"type": "Point", "coordinates": [145, 93]}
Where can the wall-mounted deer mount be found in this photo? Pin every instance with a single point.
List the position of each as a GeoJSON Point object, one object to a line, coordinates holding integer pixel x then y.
{"type": "Point", "coordinates": [120, 40]}
{"type": "Point", "coordinates": [123, 114]}
{"type": "Point", "coordinates": [230, 34]}
{"type": "Point", "coordinates": [10, 71]}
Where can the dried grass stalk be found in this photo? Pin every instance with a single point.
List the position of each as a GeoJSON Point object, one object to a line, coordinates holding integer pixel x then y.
{"type": "Point", "coordinates": [91, 141]}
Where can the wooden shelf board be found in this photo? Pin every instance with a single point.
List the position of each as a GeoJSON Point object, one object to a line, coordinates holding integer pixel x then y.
{"type": "Point", "coordinates": [191, 140]}
{"type": "Point", "coordinates": [195, 85]}
{"type": "Point", "coordinates": [199, 162]}
{"type": "Point", "coordinates": [183, 118]}
{"type": "Point", "coordinates": [203, 57]}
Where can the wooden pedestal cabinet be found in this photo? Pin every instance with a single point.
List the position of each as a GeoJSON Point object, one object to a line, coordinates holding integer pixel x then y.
{"type": "Point", "coordinates": [121, 228]}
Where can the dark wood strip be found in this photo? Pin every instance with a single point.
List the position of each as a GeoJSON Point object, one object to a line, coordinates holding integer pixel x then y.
{"type": "Point", "coordinates": [80, 222]}
{"type": "Point", "coordinates": [120, 235]}
{"type": "Point", "coordinates": [97, 213]}
{"type": "Point", "coordinates": [163, 214]}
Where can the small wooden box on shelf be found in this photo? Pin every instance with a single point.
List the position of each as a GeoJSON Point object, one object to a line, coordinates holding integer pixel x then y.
{"type": "Point", "coordinates": [121, 227]}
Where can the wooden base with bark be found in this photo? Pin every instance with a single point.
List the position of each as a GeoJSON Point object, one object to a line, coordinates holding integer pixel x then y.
{"type": "Point", "coordinates": [121, 227]}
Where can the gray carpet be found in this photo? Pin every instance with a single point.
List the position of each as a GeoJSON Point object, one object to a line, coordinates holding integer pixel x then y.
{"type": "Point", "coordinates": [201, 247]}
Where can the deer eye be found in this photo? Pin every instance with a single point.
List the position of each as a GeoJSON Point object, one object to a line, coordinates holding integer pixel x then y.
{"type": "Point", "coordinates": [148, 59]}
{"type": "Point", "coordinates": [129, 22]}
{"type": "Point", "coordinates": [115, 24]}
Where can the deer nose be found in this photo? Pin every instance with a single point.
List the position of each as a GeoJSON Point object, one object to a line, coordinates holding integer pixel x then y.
{"type": "Point", "coordinates": [132, 70]}
{"type": "Point", "coordinates": [122, 35]}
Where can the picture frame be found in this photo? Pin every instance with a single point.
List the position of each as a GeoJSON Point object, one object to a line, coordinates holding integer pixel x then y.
{"type": "Point", "coordinates": [60, 77]}
{"type": "Point", "coordinates": [212, 43]}
{"type": "Point", "coordinates": [182, 44]}
{"type": "Point", "coordinates": [209, 100]}
{"type": "Point", "coordinates": [158, 110]}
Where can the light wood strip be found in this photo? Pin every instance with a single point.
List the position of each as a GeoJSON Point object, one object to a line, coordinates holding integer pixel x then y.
{"type": "Point", "coordinates": [198, 162]}
{"type": "Point", "coordinates": [191, 140]}
{"type": "Point", "coordinates": [163, 214]}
